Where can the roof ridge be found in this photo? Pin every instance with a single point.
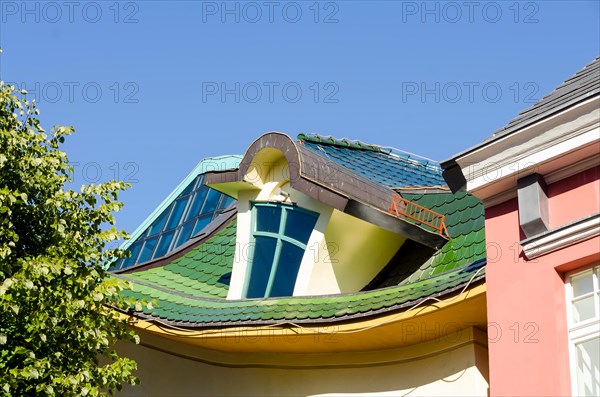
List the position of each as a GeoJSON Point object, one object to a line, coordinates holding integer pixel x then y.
{"type": "Point", "coordinates": [342, 142]}
{"type": "Point", "coordinates": [359, 145]}
{"type": "Point", "coordinates": [572, 84]}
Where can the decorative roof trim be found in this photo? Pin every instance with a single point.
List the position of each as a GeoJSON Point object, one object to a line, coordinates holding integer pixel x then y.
{"type": "Point", "coordinates": [219, 163]}
{"type": "Point", "coordinates": [343, 142]}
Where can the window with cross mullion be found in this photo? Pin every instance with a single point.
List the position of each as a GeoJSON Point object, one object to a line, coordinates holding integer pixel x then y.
{"type": "Point", "coordinates": [280, 234]}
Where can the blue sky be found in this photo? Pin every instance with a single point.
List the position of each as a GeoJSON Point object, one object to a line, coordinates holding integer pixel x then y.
{"type": "Point", "coordinates": [152, 87]}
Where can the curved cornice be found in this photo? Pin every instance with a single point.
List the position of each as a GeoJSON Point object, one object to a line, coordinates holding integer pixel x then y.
{"type": "Point", "coordinates": [279, 141]}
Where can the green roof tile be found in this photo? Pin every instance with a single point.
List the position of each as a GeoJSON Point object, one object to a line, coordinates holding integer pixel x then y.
{"type": "Point", "coordinates": [464, 217]}
{"type": "Point", "coordinates": [199, 311]}
{"type": "Point", "coordinates": [190, 290]}
{"type": "Point", "coordinates": [192, 274]}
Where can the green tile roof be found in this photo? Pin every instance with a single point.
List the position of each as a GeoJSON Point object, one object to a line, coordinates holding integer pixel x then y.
{"type": "Point", "coordinates": [204, 271]}
{"type": "Point", "coordinates": [190, 291]}
{"type": "Point", "coordinates": [185, 310]}
{"type": "Point", "coordinates": [465, 223]}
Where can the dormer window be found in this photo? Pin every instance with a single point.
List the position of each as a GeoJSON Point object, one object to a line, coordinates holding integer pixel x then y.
{"type": "Point", "coordinates": [279, 236]}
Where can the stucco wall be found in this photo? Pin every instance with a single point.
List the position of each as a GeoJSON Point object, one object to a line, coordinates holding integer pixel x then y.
{"type": "Point", "coordinates": [349, 255]}
{"type": "Point", "coordinates": [528, 340]}
{"type": "Point", "coordinates": [574, 197]}
{"type": "Point", "coordinates": [458, 370]}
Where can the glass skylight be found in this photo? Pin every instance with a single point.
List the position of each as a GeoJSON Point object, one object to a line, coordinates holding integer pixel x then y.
{"type": "Point", "coordinates": [183, 219]}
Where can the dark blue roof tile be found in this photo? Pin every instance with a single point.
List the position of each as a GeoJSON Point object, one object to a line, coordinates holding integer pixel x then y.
{"type": "Point", "coordinates": [381, 165]}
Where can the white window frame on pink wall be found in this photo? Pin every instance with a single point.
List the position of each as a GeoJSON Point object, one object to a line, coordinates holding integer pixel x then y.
{"type": "Point", "coordinates": [582, 331]}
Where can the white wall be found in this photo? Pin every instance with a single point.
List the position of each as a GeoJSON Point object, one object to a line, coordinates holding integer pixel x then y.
{"type": "Point", "coordinates": [457, 371]}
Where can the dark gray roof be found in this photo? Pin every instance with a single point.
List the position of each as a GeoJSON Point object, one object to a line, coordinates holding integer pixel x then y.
{"type": "Point", "coordinates": [583, 85]}
{"type": "Point", "coordinates": [577, 88]}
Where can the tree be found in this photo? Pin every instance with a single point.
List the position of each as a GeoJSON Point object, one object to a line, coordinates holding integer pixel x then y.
{"type": "Point", "coordinates": [57, 328]}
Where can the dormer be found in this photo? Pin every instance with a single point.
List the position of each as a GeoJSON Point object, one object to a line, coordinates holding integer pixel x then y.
{"type": "Point", "coordinates": [323, 216]}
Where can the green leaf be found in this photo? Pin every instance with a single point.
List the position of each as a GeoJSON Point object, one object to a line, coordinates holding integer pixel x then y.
{"type": "Point", "coordinates": [55, 324]}
{"type": "Point", "coordinates": [34, 374]}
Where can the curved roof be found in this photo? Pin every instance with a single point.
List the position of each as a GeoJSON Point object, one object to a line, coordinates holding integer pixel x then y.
{"type": "Point", "coordinates": [191, 310]}
{"type": "Point", "coordinates": [190, 290]}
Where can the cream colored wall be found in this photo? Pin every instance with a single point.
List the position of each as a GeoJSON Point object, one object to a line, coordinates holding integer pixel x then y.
{"type": "Point", "coordinates": [240, 261]}
{"type": "Point", "coordinates": [459, 369]}
{"type": "Point", "coordinates": [343, 253]}
{"type": "Point", "coordinates": [350, 254]}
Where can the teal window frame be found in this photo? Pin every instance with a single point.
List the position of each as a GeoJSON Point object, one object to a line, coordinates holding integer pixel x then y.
{"type": "Point", "coordinates": [280, 238]}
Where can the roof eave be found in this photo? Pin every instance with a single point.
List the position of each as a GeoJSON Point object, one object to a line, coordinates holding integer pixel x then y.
{"type": "Point", "coordinates": [503, 133]}
{"type": "Point", "coordinates": [458, 304]}
{"type": "Point", "coordinates": [496, 164]}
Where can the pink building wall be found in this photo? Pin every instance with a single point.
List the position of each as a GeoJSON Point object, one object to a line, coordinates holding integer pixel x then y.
{"type": "Point", "coordinates": [527, 331]}
{"type": "Point", "coordinates": [565, 197]}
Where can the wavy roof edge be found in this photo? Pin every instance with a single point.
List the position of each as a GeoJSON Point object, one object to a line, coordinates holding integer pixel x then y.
{"type": "Point", "coordinates": [216, 163]}
{"type": "Point", "coordinates": [393, 299]}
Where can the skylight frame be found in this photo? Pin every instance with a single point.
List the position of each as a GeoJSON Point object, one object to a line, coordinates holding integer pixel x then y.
{"type": "Point", "coordinates": [171, 229]}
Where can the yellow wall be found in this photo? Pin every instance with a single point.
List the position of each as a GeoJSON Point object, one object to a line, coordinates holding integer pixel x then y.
{"type": "Point", "coordinates": [351, 254]}
{"type": "Point", "coordinates": [455, 365]}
